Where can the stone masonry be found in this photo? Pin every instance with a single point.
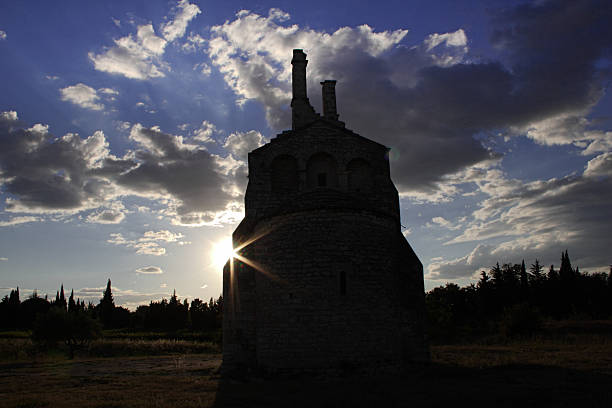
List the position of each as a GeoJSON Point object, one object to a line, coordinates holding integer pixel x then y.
{"type": "Point", "coordinates": [322, 277]}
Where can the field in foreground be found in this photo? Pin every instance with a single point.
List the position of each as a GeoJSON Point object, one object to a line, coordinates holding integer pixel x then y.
{"type": "Point", "coordinates": [575, 371]}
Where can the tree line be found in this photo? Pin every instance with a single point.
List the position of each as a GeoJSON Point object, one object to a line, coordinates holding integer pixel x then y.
{"type": "Point", "coordinates": [513, 300]}
{"type": "Point", "coordinates": [164, 315]}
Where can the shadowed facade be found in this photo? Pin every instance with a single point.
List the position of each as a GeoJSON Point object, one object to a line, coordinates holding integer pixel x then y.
{"type": "Point", "coordinates": [322, 277]}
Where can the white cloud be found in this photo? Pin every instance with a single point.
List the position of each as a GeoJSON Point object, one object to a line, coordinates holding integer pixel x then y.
{"type": "Point", "coordinates": [113, 213]}
{"type": "Point", "coordinates": [3, 35]}
{"type": "Point", "coordinates": [175, 28]}
{"type": "Point", "coordinates": [149, 270]}
{"type": "Point", "coordinates": [204, 68]}
{"type": "Point", "coordinates": [3, 258]}
{"type": "Point", "coordinates": [82, 95]}
{"type": "Point", "coordinates": [19, 220]}
{"type": "Point", "coordinates": [252, 53]}
{"type": "Point", "coordinates": [441, 221]}
{"type": "Point", "coordinates": [149, 248]}
{"type": "Point", "coordinates": [148, 244]}
{"type": "Point", "coordinates": [193, 43]}
{"type": "Point", "coordinates": [241, 143]}
{"type": "Point", "coordinates": [122, 125]}
{"type": "Point", "coordinates": [205, 132]}
{"type": "Point", "coordinates": [164, 235]}
{"type": "Point", "coordinates": [454, 39]}
{"type": "Point", "coordinates": [138, 58]}
{"type": "Point", "coordinates": [9, 116]}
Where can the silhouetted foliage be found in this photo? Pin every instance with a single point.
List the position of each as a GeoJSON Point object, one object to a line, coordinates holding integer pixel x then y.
{"type": "Point", "coordinates": [106, 307]}
{"type": "Point", "coordinates": [75, 329]}
{"type": "Point", "coordinates": [510, 301]}
{"type": "Point", "coordinates": [520, 319]}
{"type": "Point", "coordinates": [507, 300]}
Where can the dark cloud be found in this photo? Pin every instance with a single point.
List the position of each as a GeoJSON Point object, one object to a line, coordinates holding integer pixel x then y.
{"type": "Point", "coordinates": [42, 173]}
{"type": "Point", "coordinates": [46, 173]}
{"type": "Point", "coordinates": [428, 102]}
{"type": "Point", "coordinates": [188, 173]}
{"type": "Point", "coordinates": [541, 219]}
{"type": "Point", "coordinates": [550, 53]}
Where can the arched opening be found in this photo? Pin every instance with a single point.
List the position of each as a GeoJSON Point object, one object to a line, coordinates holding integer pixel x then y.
{"type": "Point", "coordinates": [359, 175]}
{"type": "Point", "coordinates": [321, 171]}
{"type": "Point", "coordinates": [284, 174]}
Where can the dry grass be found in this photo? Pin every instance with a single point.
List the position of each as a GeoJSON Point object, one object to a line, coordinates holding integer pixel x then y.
{"type": "Point", "coordinates": [23, 349]}
{"type": "Point", "coordinates": [573, 370]}
{"type": "Point", "coordinates": [165, 381]}
{"type": "Point", "coordinates": [579, 352]}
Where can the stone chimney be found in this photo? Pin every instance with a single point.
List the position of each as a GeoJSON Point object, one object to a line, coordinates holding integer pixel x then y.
{"type": "Point", "coordinates": [329, 100]}
{"type": "Point", "coordinates": [301, 111]}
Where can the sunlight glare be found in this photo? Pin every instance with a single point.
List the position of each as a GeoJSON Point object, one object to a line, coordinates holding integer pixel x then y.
{"type": "Point", "coordinates": [221, 251]}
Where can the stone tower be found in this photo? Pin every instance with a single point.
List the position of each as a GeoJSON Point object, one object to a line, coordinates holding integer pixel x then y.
{"type": "Point", "coordinates": [322, 277]}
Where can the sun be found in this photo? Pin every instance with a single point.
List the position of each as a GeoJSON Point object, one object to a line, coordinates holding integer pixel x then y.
{"type": "Point", "coordinates": [221, 251]}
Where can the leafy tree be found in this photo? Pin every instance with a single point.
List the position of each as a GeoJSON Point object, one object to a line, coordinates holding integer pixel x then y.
{"type": "Point", "coordinates": [31, 308]}
{"type": "Point", "coordinates": [75, 330]}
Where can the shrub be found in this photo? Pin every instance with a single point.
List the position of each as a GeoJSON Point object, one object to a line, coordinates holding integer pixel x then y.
{"type": "Point", "coordinates": [75, 329]}
{"type": "Point", "coordinates": [520, 320]}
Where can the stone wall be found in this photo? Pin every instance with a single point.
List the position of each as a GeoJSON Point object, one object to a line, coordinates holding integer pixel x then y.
{"type": "Point", "coordinates": [303, 316]}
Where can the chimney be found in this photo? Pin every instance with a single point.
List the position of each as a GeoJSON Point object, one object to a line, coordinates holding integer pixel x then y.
{"type": "Point", "coordinates": [299, 63]}
{"type": "Point", "coordinates": [329, 100]}
{"type": "Point", "coordinates": [301, 111]}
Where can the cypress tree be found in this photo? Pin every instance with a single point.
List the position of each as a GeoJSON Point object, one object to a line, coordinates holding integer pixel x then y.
{"type": "Point", "coordinates": [106, 306]}
{"type": "Point", "coordinates": [13, 299]}
{"type": "Point", "coordinates": [535, 272]}
{"type": "Point", "coordinates": [566, 272]}
{"type": "Point", "coordinates": [552, 274]}
{"type": "Point", "coordinates": [496, 273]}
{"type": "Point", "coordinates": [61, 302]}
{"type": "Point", "coordinates": [72, 307]}
{"type": "Point", "coordinates": [523, 275]}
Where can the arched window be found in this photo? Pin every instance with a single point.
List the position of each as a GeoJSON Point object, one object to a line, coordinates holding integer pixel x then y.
{"type": "Point", "coordinates": [321, 171]}
{"type": "Point", "coordinates": [284, 174]}
{"type": "Point", "coordinates": [359, 175]}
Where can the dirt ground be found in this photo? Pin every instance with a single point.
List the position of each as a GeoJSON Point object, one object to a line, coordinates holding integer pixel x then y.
{"type": "Point", "coordinates": [557, 376]}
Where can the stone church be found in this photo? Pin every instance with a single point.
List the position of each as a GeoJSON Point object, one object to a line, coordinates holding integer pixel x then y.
{"type": "Point", "coordinates": [322, 277]}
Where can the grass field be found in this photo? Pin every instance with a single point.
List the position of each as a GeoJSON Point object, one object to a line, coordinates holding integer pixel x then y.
{"type": "Point", "coordinates": [568, 370]}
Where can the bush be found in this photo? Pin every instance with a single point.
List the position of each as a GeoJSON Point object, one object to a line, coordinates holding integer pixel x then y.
{"type": "Point", "coordinates": [75, 329]}
{"type": "Point", "coordinates": [520, 320]}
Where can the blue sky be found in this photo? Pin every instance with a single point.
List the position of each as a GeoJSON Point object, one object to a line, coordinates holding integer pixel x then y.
{"type": "Point", "coordinates": [125, 127]}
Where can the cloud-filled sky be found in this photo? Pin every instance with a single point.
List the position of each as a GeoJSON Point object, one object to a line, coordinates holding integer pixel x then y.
{"type": "Point", "coordinates": [125, 128]}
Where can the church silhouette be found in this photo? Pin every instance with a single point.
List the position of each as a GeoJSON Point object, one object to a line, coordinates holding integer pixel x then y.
{"type": "Point", "coordinates": [322, 277]}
